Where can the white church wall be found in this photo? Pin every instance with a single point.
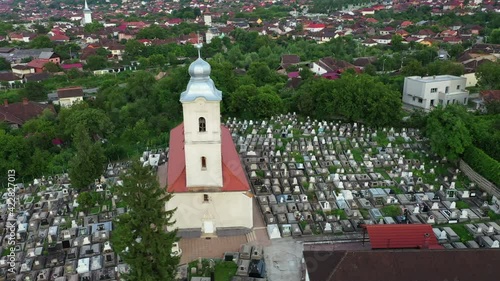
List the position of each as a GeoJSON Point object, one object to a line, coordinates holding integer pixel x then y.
{"type": "Point", "coordinates": [225, 209]}
{"type": "Point", "coordinates": [192, 111]}
{"type": "Point", "coordinates": [202, 144]}
{"type": "Point", "coordinates": [196, 175]}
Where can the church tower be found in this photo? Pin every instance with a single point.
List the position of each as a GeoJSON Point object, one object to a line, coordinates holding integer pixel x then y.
{"type": "Point", "coordinates": [87, 15]}
{"type": "Point", "coordinates": [202, 128]}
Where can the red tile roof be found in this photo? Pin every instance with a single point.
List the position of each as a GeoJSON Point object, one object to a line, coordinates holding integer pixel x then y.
{"type": "Point", "coordinates": [234, 177]}
{"type": "Point", "coordinates": [490, 95]}
{"type": "Point", "coordinates": [400, 236]}
{"type": "Point", "coordinates": [20, 112]}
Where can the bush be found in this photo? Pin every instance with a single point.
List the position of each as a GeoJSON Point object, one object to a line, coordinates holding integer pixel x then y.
{"type": "Point", "coordinates": [483, 164]}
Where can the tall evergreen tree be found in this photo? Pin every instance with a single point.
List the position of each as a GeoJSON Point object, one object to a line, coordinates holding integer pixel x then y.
{"type": "Point", "coordinates": [143, 236]}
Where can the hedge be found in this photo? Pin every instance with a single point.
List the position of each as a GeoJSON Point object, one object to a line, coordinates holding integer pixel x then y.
{"type": "Point", "coordinates": [483, 164]}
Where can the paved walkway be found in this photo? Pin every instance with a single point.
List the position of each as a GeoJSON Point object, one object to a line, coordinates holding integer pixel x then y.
{"type": "Point", "coordinates": [162, 175]}
{"type": "Point", "coordinates": [193, 248]}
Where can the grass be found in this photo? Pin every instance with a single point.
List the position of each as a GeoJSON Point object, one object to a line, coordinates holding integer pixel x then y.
{"type": "Point", "coordinates": [493, 216]}
{"type": "Point", "coordinates": [332, 169]}
{"type": "Point", "coordinates": [338, 212]}
{"type": "Point", "coordinates": [396, 190]}
{"type": "Point", "coordinates": [381, 139]}
{"type": "Point", "coordinates": [95, 210]}
{"type": "Point", "coordinates": [298, 157]}
{"type": "Point", "coordinates": [462, 205]}
{"type": "Point", "coordinates": [357, 155]}
{"type": "Point", "coordinates": [121, 205]}
{"type": "Point", "coordinates": [462, 232]}
{"type": "Point", "coordinates": [259, 173]}
{"type": "Point", "coordinates": [411, 154]}
{"type": "Point", "coordinates": [399, 140]}
{"type": "Point", "coordinates": [225, 270]}
{"type": "Point", "coordinates": [392, 211]}
{"type": "Point", "coordinates": [382, 172]}
{"type": "Point", "coordinates": [364, 213]}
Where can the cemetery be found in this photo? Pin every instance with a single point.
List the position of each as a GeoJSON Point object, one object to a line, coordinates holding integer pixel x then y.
{"type": "Point", "coordinates": [309, 178]}
{"type": "Point", "coordinates": [56, 237]}
{"type": "Point", "coordinates": [316, 178]}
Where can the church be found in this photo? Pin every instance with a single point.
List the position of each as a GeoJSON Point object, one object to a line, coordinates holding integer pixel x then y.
{"type": "Point", "coordinates": [87, 15]}
{"type": "Point", "coordinates": [204, 172]}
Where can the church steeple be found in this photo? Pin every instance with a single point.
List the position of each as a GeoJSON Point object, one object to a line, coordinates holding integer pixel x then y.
{"type": "Point", "coordinates": [202, 127]}
{"type": "Point", "coordinates": [87, 14]}
{"type": "Point", "coordinates": [200, 85]}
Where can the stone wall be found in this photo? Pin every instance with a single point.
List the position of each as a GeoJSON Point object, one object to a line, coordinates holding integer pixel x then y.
{"type": "Point", "coordinates": [483, 183]}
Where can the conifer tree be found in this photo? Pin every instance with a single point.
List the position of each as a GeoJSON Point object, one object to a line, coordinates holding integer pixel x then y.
{"type": "Point", "coordinates": [143, 236]}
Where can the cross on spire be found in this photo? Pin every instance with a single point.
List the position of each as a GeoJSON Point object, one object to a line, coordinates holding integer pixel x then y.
{"type": "Point", "coordinates": [199, 45]}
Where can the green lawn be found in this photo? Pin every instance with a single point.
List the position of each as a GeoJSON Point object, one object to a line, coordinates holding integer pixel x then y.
{"type": "Point", "coordinates": [382, 172]}
{"type": "Point", "coordinates": [357, 154]}
{"type": "Point", "coordinates": [462, 232]}
{"type": "Point", "coordinates": [392, 211]}
{"type": "Point", "coordinates": [225, 270]}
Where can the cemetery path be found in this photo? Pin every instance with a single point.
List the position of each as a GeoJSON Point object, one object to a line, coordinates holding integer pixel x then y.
{"type": "Point", "coordinates": [193, 248]}
{"type": "Point", "coordinates": [162, 175]}
{"type": "Point", "coordinates": [259, 227]}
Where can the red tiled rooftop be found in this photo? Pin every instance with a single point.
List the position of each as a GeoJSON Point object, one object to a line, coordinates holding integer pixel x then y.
{"type": "Point", "coordinates": [400, 236]}
{"type": "Point", "coordinates": [234, 177]}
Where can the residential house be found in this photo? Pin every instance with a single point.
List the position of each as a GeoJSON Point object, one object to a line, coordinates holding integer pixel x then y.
{"type": "Point", "coordinates": [60, 38]}
{"type": "Point", "coordinates": [367, 11]}
{"type": "Point", "coordinates": [16, 114]}
{"type": "Point", "coordinates": [173, 22]}
{"type": "Point", "coordinates": [69, 96]}
{"type": "Point", "coordinates": [315, 27]}
{"type": "Point", "coordinates": [330, 65]}
{"type": "Point", "coordinates": [429, 92]}
{"type": "Point", "coordinates": [38, 65]}
{"type": "Point", "coordinates": [211, 33]}
{"type": "Point", "coordinates": [36, 77]}
{"type": "Point", "coordinates": [387, 30]}
{"type": "Point", "coordinates": [22, 69]}
{"type": "Point", "coordinates": [50, 57]}
{"type": "Point", "coordinates": [362, 62]}
{"type": "Point", "coordinates": [288, 60]}
{"type": "Point", "coordinates": [9, 78]}
{"type": "Point", "coordinates": [369, 42]}
{"type": "Point", "coordinates": [21, 37]}
{"type": "Point", "coordinates": [382, 39]}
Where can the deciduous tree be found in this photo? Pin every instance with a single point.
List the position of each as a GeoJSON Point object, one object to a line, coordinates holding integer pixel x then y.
{"type": "Point", "coordinates": [447, 131]}
{"type": "Point", "coordinates": [88, 163]}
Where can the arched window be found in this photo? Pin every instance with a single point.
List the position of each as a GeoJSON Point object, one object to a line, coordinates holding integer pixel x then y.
{"type": "Point", "coordinates": [202, 124]}
{"type": "Point", "coordinates": [203, 162]}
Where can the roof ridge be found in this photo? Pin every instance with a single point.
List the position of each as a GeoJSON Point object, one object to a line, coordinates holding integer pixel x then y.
{"type": "Point", "coordinates": [338, 265]}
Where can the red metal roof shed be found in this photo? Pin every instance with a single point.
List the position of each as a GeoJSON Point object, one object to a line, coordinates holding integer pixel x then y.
{"type": "Point", "coordinates": [402, 236]}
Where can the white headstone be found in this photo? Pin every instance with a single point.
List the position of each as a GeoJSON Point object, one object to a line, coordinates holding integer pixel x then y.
{"type": "Point", "coordinates": [442, 235]}
{"type": "Point", "coordinates": [453, 205]}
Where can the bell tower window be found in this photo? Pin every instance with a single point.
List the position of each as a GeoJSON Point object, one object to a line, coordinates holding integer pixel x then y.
{"type": "Point", "coordinates": [203, 163]}
{"type": "Point", "coordinates": [202, 124]}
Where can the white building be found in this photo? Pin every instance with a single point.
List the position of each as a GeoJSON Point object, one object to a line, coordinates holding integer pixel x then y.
{"type": "Point", "coordinates": [69, 96]}
{"type": "Point", "coordinates": [211, 190]}
{"type": "Point", "coordinates": [429, 92]}
{"type": "Point", "coordinates": [87, 15]}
